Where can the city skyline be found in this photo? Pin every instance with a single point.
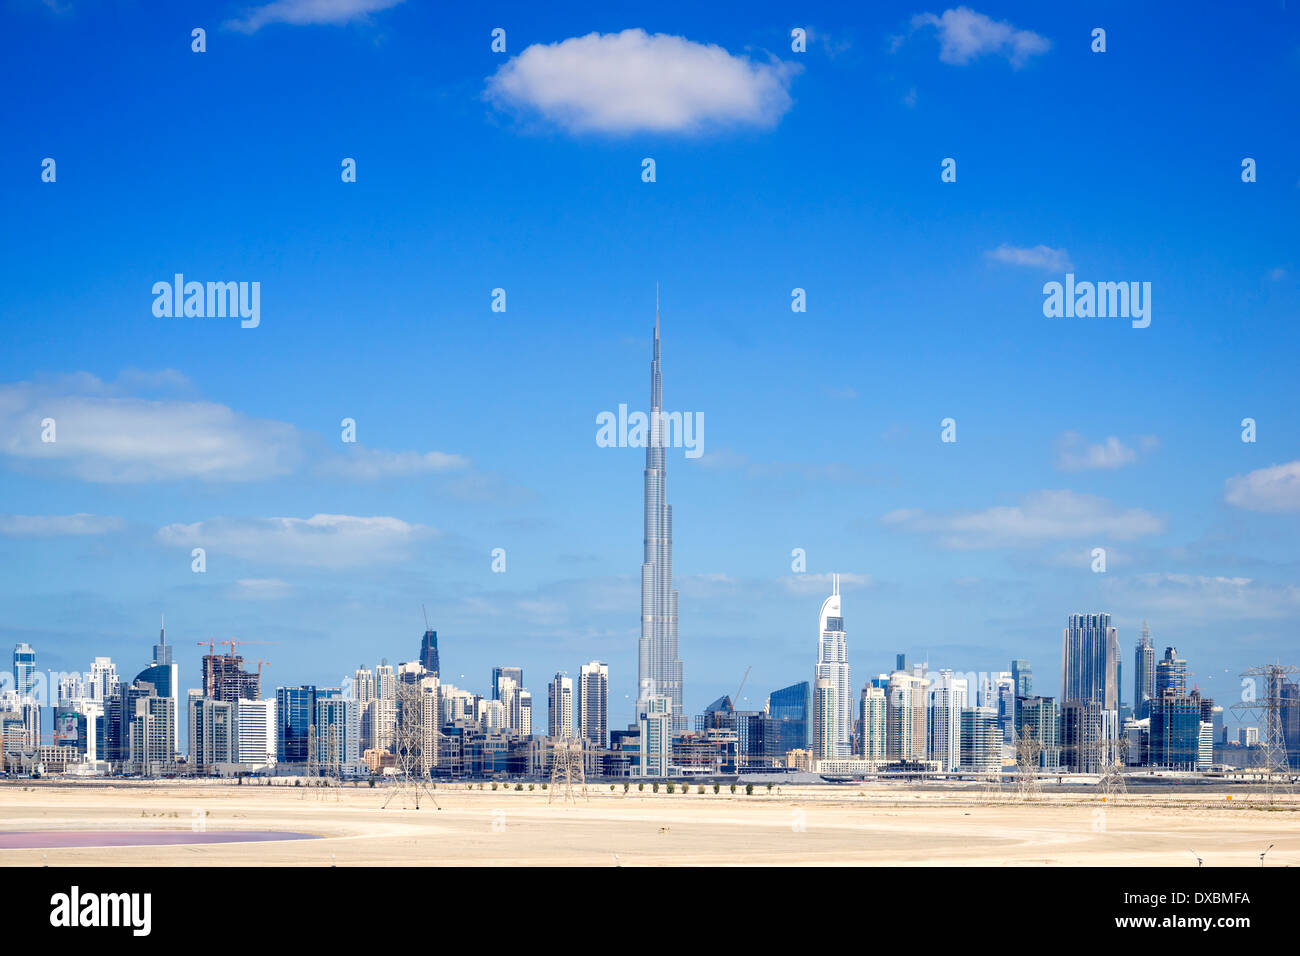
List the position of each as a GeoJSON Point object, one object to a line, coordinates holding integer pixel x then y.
{"type": "Point", "coordinates": [475, 427]}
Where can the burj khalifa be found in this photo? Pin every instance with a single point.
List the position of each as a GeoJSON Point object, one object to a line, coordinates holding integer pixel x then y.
{"type": "Point", "coordinates": [659, 667]}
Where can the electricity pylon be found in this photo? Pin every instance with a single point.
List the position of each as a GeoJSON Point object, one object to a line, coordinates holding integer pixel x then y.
{"type": "Point", "coordinates": [1029, 750]}
{"type": "Point", "coordinates": [1275, 767]}
{"type": "Point", "coordinates": [567, 768]}
{"type": "Point", "coordinates": [1110, 764]}
{"type": "Point", "coordinates": [410, 734]}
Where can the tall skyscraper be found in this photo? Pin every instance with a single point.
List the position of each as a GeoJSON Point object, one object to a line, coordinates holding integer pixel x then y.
{"type": "Point", "coordinates": [164, 676]}
{"type": "Point", "coordinates": [1171, 675]}
{"type": "Point", "coordinates": [559, 714]}
{"type": "Point", "coordinates": [1022, 676]}
{"type": "Point", "coordinates": [659, 669]}
{"type": "Point", "coordinates": [429, 652]}
{"type": "Point", "coordinates": [871, 743]}
{"type": "Point", "coordinates": [833, 665]}
{"type": "Point", "coordinates": [790, 707]}
{"type": "Point", "coordinates": [515, 674]}
{"type": "Point", "coordinates": [1144, 673]}
{"type": "Point", "coordinates": [946, 698]}
{"type": "Point", "coordinates": [593, 703]}
{"type": "Point", "coordinates": [1090, 661]}
{"type": "Point", "coordinates": [24, 670]}
{"type": "Point", "coordinates": [826, 719]}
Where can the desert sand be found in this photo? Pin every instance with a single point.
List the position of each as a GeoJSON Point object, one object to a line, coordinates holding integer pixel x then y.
{"type": "Point", "coordinates": [887, 825]}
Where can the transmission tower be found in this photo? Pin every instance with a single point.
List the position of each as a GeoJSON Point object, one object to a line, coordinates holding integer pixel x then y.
{"type": "Point", "coordinates": [1110, 766]}
{"type": "Point", "coordinates": [567, 768]}
{"type": "Point", "coordinates": [312, 767]}
{"type": "Point", "coordinates": [410, 734]}
{"type": "Point", "coordinates": [1029, 750]}
{"type": "Point", "coordinates": [1274, 765]}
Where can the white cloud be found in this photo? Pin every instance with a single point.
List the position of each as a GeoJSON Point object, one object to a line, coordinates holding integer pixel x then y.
{"type": "Point", "coordinates": [1199, 597]}
{"type": "Point", "coordinates": [821, 583]}
{"type": "Point", "coordinates": [965, 35]}
{"type": "Point", "coordinates": [371, 463]}
{"type": "Point", "coordinates": [104, 437]}
{"type": "Point", "coordinates": [1273, 489]}
{"type": "Point", "coordinates": [324, 541]}
{"type": "Point", "coordinates": [50, 526]}
{"type": "Point", "coordinates": [260, 589]}
{"type": "Point", "coordinates": [1041, 516]}
{"type": "Point", "coordinates": [1036, 257]}
{"type": "Point", "coordinates": [1073, 453]}
{"type": "Point", "coordinates": [633, 81]}
{"type": "Point", "coordinates": [303, 12]}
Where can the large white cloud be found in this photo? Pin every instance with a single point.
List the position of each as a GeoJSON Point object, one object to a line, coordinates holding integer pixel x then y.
{"type": "Point", "coordinates": [965, 35]}
{"type": "Point", "coordinates": [105, 437]}
{"type": "Point", "coordinates": [1039, 517]}
{"type": "Point", "coordinates": [1276, 488]}
{"type": "Point", "coordinates": [634, 81]}
{"type": "Point", "coordinates": [323, 540]}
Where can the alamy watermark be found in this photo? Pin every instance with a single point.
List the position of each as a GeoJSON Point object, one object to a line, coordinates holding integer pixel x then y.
{"type": "Point", "coordinates": [211, 300]}
{"type": "Point", "coordinates": [1103, 300]}
{"type": "Point", "coordinates": [659, 429]}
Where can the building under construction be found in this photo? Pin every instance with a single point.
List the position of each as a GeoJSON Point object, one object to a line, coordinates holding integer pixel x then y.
{"type": "Point", "coordinates": [224, 678]}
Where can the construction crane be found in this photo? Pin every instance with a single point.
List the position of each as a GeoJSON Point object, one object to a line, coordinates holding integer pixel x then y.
{"type": "Point", "coordinates": [736, 704]}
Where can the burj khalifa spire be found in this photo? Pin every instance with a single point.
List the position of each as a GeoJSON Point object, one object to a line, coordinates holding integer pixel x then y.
{"type": "Point", "coordinates": [659, 667]}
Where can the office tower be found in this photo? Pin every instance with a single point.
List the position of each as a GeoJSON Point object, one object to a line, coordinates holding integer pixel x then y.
{"type": "Point", "coordinates": [1090, 661]}
{"type": "Point", "coordinates": [1022, 678]}
{"type": "Point", "coordinates": [255, 731]}
{"type": "Point", "coordinates": [656, 726]}
{"type": "Point", "coordinates": [981, 740]}
{"type": "Point", "coordinates": [525, 713]}
{"type": "Point", "coordinates": [515, 674]}
{"type": "Point", "coordinates": [905, 716]}
{"type": "Point", "coordinates": [213, 735]}
{"type": "Point", "coordinates": [559, 699]}
{"type": "Point", "coordinates": [1038, 720]}
{"type": "Point", "coordinates": [103, 678]}
{"type": "Point", "coordinates": [295, 710]}
{"type": "Point", "coordinates": [1144, 672]}
{"type": "Point", "coordinates": [165, 677]}
{"type": "Point", "coordinates": [946, 698]}
{"type": "Point", "coordinates": [833, 665]}
{"type": "Point", "coordinates": [900, 662]}
{"type": "Point", "coordinates": [871, 740]}
{"type": "Point", "coordinates": [593, 703]}
{"type": "Point", "coordinates": [363, 689]}
{"type": "Point", "coordinates": [429, 652]}
{"type": "Point", "coordinates": [224, 678]}
{"type": "Point", "coordinates": [1083, 732]}
{"type": "Point", "coordinates": [24, 670]}
{"type": "Point", "coordinates": [1171, 674]}
{"type": "Point", "coordinates": [789, 709]}
{"type": "Point", "coordinates": [337, 739]}
{"type": "Point", "coordinates": [150, 733]}
{"type": "Point", "coordinates": [659, 669]}
{"type": "Point", "coordinates": [826, 719]}
{"type": "Point", "coordinates": [1005, 689]}
{"type": "Point", "coordinates": [457, 704]}
{"type": "Point", "coordinates": [1175, 731]}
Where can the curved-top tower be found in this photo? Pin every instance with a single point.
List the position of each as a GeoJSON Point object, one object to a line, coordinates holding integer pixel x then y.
{"type": "Point", "coordinates": [833, 663]}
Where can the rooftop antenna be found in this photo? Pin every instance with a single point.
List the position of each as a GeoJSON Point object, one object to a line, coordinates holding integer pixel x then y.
{"type": "Point", "coordinates": [656, 310]}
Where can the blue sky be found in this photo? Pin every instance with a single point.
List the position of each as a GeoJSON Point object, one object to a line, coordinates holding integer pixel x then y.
{"type": "Point", "coordinates": [476, 429]}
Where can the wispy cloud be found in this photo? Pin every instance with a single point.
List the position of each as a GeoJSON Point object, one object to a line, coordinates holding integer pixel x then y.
{"type": "Point", "coordinates": [53, 526]}
{"type": "Point", "coordinates": [634, 81]}
{"type": "Point", "coordinates": [372, 463]}
{"type": "Point", "coordinates": [1272, 489]}
{"type": "Point", "coordinates": [322, 541]}
{"type": "Point", "coordinates": [1039, 517]}
{"type": "Point", "coordinates": [260, 589]}
{"type": "Point", "coordinates": [1035, 257]}
{"type": "Point", "coordinates": [965, 35]}
{"type": "Point", "coordinates": [305, 12]}
{"type": "Point", "coordinates": [1075, 453]}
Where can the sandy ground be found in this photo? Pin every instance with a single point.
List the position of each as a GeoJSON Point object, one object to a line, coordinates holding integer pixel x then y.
{"type": "Point", "coordinates": [844, 825]}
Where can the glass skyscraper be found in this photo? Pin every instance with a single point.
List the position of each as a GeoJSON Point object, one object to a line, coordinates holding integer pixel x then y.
{"type": "Point", "coordinates": [788, 708]}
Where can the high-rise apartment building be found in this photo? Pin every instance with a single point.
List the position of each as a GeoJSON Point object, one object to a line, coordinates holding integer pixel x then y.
{"type": "Point", "coordinates": [946, 698]}
{"type": "Point", "coordinates": [826, 719]}
{"type": "Point", "coordinates": [1144, 672]}
{"type": "Point", "coordinates": [593, 703]}
{"type": "Point", "coordinates": [871, 738]}
{"type": "Point", "coordinates": [656, 726]}
{"type": "Point", "coordinates": [24, 670]}
{"type": "Point", "coordinates": [905, 715]}
{"type": "Point", "coordinates": [559, 716]}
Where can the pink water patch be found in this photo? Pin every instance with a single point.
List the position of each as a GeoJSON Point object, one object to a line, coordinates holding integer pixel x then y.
{"type": "Point", "coordinates": [66, 839]}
